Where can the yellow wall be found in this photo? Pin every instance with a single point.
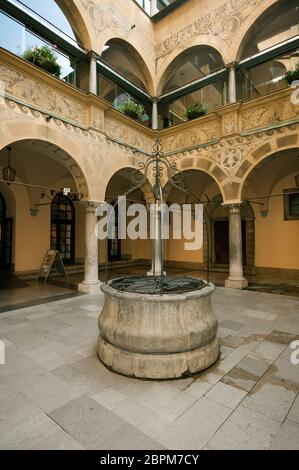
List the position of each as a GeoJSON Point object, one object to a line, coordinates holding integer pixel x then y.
{"type": "Point", "coordinates": [276, 239]}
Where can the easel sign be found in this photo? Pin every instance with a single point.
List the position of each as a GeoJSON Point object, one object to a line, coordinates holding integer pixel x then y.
{"type": "Point", "coordinates": [51, 261]}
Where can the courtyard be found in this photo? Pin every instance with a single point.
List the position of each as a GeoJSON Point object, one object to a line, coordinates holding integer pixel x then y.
{"type": "Point", "coordinates": [55, 393]}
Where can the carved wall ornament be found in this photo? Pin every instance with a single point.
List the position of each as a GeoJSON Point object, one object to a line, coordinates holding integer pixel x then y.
{"type": "Point", "coordinates": [105, 15]}
{"type": "Point", "coordinates": [230, 158]}
{"type": "Point", "coordinates": [38, 94]}
{"type": "Point", "coordinates": [224, 21]}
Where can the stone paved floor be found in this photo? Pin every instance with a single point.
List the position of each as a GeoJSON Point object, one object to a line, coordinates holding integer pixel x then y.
{"type": "Point", "coordinates": [55, 394]}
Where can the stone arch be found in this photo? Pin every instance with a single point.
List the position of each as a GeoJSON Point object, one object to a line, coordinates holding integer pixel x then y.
{"type": "Point", "coordinates": [128, 172]}
{"type": "Point", "coordinates": [164, 64]}
{"type": "Point", "coordinates": [64, 148]}
{"type": "Point", "coordinates": [259, 154]}
{"type": "Point", "coordinates": [202, 165]}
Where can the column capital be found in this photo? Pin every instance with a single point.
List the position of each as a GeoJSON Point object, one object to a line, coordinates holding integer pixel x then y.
{"type": "Point", "coordinates": [231, 65]}
{"type": "Point", "coordinates": [92, 205]}
{"type": "Point", "coordinates": [232, 204]}
{"type": "Point", "coordinates": [92, 55]}
{"type": "Point", "coordinates": [155, 99]}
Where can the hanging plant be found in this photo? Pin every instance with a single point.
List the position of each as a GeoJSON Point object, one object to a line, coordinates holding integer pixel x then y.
{"type": "Point", "coordinates": [132, 109]}
{"type": "Point", "coordinates": [196, 110]}
{"type": "Point", "coordinates": [44, 58]}
{"type": "Point", "coordinates": [292, 75]}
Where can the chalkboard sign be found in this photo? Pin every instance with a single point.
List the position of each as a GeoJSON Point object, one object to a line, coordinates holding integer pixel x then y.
{"type": "Point", "coordinates": [51, 261]}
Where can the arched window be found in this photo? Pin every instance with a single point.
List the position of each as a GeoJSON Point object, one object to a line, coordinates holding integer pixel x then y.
{"type": "Point", "coordinates": [276, 25]}
{"type": "Point", "coordinates": [121, 56]}
{"type": "Point", "coordinates": [49, 10]}
{"type": "Point", "coordinates": [279, 23]}
{"type": "Point", "coordinates": [191, 65]}
{"type": "Point", "coordinates": [63, 227]}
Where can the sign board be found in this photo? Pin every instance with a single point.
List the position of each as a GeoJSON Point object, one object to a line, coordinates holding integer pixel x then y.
{"type": "Point", "coordinates": [51, 261]}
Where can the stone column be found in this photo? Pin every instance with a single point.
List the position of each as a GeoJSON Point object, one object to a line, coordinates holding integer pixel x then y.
{"type": "Point", "coordinates": [232, 87]}
{"type": "Point", "coordinates": [236, 279]}
{"type": "Point", "coordinates": [156, 242]}
{"type": "Point", "coordinates": [91, 283]}
{"type": "Point", "coordinates": [93, 76]}
{"type": "Point", "coordinates": [154, 7]}
{"type": "Point", "coordinates": [155, 123]}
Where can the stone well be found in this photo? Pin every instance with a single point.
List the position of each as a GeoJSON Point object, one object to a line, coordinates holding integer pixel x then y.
{"type": "Point", "coordinates": [153, 336]}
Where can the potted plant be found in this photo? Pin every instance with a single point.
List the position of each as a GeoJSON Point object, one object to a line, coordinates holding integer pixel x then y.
{"type": "Point", "coordinates": [43, 57]}
{"type": "Point", "coordinates": [132, 109]}
{"type": "Point", "coordinates": [292, 75]}
{"type": "Point", "coordinates": [196, 110]}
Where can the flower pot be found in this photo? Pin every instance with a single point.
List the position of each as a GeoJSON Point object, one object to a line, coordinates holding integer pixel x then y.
{"type": "Point", "coordinates": [292, 77]}
{"type": "Point", "coordinates": [195, 114]}
{"type": "Point", "coordinates": [46, 65]}
{"type": "Point", "coordinates": [132, 114]}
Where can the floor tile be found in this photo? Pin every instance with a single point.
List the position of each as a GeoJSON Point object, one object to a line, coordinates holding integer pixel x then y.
{"type": "Point", "coordinates": [226, 395]}
{"type": "Point", "coordinates": [245, 430]}
{"type": "Point", "coordinates": [195, 427]}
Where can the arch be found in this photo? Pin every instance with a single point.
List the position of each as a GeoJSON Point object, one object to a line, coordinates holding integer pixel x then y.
{"type": "Point", "coordinates": [63, 227]}
{"type": "Point", "coordinates": [20, 130]}
{"type": "Point", "coordinates": [186, 166]}
{"type": "Point", "coordinates": [129, 173]}
{"type": "Point", "coordinates": [128, 60]}
{"type": "Point", "coordinates": [265, 9]}
{"type": "Point", "coordinates": [76, 19]}
{"type": "Point", "coordinates": [197, 43]}
{"type": "Point", "coordinates": [260, 154]}
{"type": "Point", "coordinates": [167, 188]}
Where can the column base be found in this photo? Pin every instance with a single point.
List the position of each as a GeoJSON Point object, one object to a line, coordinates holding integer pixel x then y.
{"type": "Point", "coordinates": [90, 287]}
{"type": "Point", "coordinates": [236, 283]}
{"type": "Point", "coordinates": [151, 273]}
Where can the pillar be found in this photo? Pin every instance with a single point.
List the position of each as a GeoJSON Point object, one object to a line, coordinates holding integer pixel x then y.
{"type": "Point", "coordinates": [154, 7]}
{"type": "Point", "coordinates": [155, 123]}
{"type": "Point", "coordinates": [93, 76]}
{"type": "Point", "coordinates": [236, 279]}
{"type": "Point", "coordinates": [91, 283]}
{"type": "Point", "coordinates": [156, 242]}
{"type": "Point", "coordinates": [232, 87]}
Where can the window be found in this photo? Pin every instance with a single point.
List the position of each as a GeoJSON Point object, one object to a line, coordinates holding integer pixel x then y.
{"type": "Point", "coordinates": [291, 204]}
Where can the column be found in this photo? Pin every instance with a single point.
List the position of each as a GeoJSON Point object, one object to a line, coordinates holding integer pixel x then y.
{"type": "Point", "coordinates": [155, 115]}
{"type": "Point", "coordinates": [156, 242]}
{"type": "Point", "coordinates": [236, 279]}
{"type": "Point", "coordinates": [154, 7]}
{"type": "Point", "coordinates": [91, 283]}
{"type": "Point", "coordinates": [93, 76]}
{"type": "Point", "coordinates": [232, 87]}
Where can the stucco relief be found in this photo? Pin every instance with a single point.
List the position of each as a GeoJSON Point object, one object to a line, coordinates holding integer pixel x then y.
{"type": "Point", "coordinates": [127, 134]}
{"type": "Point", "coordinates": [17, 85]}
{"type": "Point", "coordinates": [269, 113]}
{"type": "Point", "coordinates": [224, 21]}
{"type": "Point", "coordinates": [230, 158]}
{"type": "Point", "coordinates": [106, 15]}
{"type": "Point", "coordinates": [193, 136]}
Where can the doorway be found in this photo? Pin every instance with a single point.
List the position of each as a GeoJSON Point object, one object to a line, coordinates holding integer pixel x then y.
{"type": "Point", "coordinates": [6, 231]}
{"type": "Point", "coordinates": [221, 242]}
{"type": "Point", "coordinates": [63, 227]}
